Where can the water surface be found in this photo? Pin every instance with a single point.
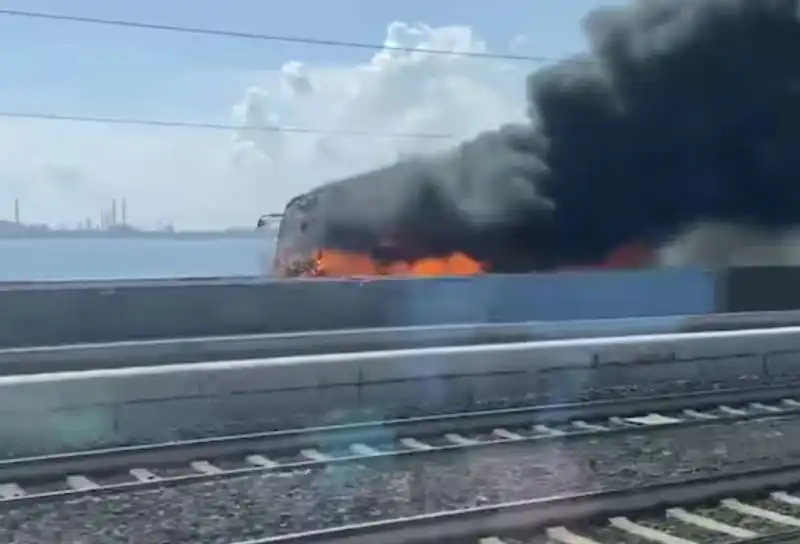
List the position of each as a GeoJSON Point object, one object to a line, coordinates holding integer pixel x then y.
{"type": "Point", "coordinates": [129, 258]}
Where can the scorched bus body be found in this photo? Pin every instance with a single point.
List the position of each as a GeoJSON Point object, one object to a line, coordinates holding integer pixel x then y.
{"type": "Point", "coordinates": [355, 226]}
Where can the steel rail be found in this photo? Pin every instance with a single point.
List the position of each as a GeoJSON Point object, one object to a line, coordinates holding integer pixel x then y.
{"type": "Point", "coordinates": [784, 537]}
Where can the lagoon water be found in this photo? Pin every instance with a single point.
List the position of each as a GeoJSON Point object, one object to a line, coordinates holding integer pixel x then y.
{"type": "Point", "coordinates": [130, 258]}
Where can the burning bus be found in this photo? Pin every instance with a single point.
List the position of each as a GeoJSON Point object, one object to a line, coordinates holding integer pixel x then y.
{"type": "Point", "coordinates": [364, 226]}
{"type": "Point", "coordinates": [680, 113]}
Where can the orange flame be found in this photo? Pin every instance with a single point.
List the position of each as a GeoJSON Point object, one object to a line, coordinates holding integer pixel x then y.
{"type": "Point", "coordinates": [337, 263]}
{"type": "Point", "coordinates": [633, 255]}
{"type": "Point", "coordinates": [341, 263]}
{"type": "Point", "coordinates": [629, 256]}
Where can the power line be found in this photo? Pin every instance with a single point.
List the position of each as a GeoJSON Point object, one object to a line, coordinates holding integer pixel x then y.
{"type": "Point", "coordinates": [42, 116]}
{"type": "Point", "coordinates": [264, 37]}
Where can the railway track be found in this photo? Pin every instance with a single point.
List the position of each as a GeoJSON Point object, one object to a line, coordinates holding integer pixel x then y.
{"type": "Point", "coordinates": [751, 512]}
{"type": "Point", "coordinates": [130, 469]}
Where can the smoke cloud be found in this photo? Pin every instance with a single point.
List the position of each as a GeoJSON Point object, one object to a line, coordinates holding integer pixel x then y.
{"type": "Point", "coordinates": [682, 112]}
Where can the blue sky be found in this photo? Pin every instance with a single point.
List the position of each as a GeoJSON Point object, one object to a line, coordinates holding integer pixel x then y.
{"type": "Point", "coordinates": [84, 69]}
{"type": "Point", "coordinates": [205, 178]}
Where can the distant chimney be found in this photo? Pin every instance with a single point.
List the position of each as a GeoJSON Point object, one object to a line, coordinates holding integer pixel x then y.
{"type": "Point", "coordinates": [124, 212]}
{"type": "Point", "coordinates": [16, 211]}
{"type": "Point", "coordinates": [114, 212]}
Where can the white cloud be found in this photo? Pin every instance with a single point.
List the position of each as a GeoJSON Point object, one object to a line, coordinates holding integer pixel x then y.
{"type": "Point", "coordinates": [63, 172]}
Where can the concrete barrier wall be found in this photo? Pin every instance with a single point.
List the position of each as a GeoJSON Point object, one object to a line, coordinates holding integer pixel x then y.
{"type": "Point", "coordinates": [740, 321]}
{"type": "Point", "coordinates": [73, 357]}
{"type": "Point", "coordinates": [115, 407]}
{"type": "Point", "coordinates": [45, 314]}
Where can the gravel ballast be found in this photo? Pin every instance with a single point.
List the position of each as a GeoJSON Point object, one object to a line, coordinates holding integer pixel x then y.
{"type": "Point", "coordinates": [259, 505]}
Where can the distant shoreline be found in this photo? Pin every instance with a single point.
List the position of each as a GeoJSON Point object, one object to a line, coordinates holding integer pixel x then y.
{"type": "Point", "coordinates": [129, 235]}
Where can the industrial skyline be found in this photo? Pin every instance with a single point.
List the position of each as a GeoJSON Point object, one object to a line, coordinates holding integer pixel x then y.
{"type": "Point", "coordinates": [108, 218]}
{"type": "Point", "coordinates": [112, 219]}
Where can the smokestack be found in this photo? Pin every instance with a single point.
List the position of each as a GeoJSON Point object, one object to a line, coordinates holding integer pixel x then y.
{"type": "Point", "coordinates": [113, 212]}
{"type": "Point", "coordinates": [681, 113]}
{"type": "Point", "coordinates": [16, 211]}
{"type": "Point", "coordinates": [124, 212]}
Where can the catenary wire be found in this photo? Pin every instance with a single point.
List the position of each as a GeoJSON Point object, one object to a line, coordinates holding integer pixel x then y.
{"type": "Point", "coordinates": [265, 37]}
{"type": "Point", "coordinates": [217, 126]}
{"type": "Point", "coordinates": [44, 116]}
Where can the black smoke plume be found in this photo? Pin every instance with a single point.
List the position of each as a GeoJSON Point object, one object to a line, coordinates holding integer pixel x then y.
{"type": "Point", "coordinates": [682, 111]}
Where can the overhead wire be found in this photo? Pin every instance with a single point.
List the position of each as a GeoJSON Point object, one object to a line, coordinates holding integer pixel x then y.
{"type": "Point", "coordinates": [216, 126]}
{"type": "Point", "coordinates": [46, 116]}
{"type": "Point", "coordinates": [264, 37]}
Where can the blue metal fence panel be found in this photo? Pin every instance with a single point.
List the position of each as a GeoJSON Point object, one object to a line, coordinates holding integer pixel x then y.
{"type": "Point", "coordinates": [554, 297]}
{"type": "Point", "coordinates": [45, 316]}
